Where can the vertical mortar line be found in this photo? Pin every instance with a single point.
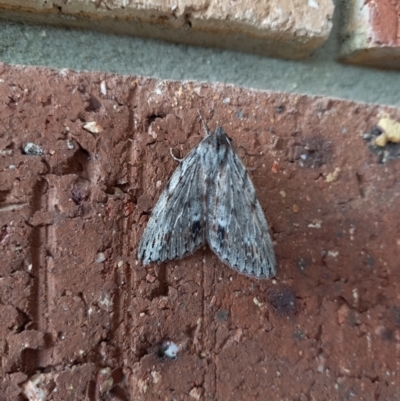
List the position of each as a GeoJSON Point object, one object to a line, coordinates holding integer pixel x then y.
{"type": "Point", "coordinates": [117, 303]}
{"type": "Point", "coordinates": [120, 303]}
{"type": "Point", "coordinates": [209, 286]}
{"type": "Point", "coordinates": [203, 322]}
{"type": "Point", "coordinates": [128, 279]}
{"type": "Point", "coordinates": [126, 292]}
{"type": "Point", "coordinates": [128, 301]}
{"type": "Point", "coordinates": [49, 290]}
{"type": "Point", "coordinates": [130, 236]}
{"type": "Point", "coordinates": [125, 272]}
{"type": "Point", "coordinates": [37, 298]}
{"type": "Point", "coordinates": [214, 337]}
{"type": "Point", "coordinates": [118, 297]}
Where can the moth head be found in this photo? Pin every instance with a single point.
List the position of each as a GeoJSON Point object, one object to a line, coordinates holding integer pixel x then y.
{"type": "Point", "coordinates": [221, 136]}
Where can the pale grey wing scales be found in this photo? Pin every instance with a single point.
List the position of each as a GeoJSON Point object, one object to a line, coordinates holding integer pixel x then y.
{"type": "Point", "coordinates": [177, 224]}
{"type": "Point", "coordinates": [237, 230]}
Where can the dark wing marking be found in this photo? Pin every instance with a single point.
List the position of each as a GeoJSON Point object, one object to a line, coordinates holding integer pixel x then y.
{"type": "Point", "coordinates": [177, 224]}
{"type": "Point", "coordinates": [237, 230]}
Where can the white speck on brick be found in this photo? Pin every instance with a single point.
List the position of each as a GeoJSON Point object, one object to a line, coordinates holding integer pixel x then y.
{"type": "Point", "coordinates": [6, 152]}
{"type": "Point", "coordinates": [32, 388]}
{"type": "Point", "coordinates": [100, 258]}
{"type": "Point", "coordinates": [195, 393]}
{"type": "Point", "coordinates": [103, 87]}
{"type": "Point", "coordinates": [257, 302]}
{"type": "Point", "coordinates": [170, 349]}
{"type": "Point", "coordinates": [93, 127]}
{"type": "Point", "coordinates": [155, 376]}
{"type": "Point", "coordinates": [315, 224]}
{"type": "Point", "coordinates": [64, 72]}
{"type": "Point", "coordinates": [355, 296]}
{"type": "Point", "coordinates": [31, 149]}
{"type": "Point", "coordinates": [106, 301]}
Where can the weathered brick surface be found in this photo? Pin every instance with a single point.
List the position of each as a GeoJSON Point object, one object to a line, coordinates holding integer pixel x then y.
{"type": "Point", "coordinates": [290, 29]}
{"type": "Point", "coordinates": [74, 300]}
{"type": "Point", "coordinates": [371, 34]}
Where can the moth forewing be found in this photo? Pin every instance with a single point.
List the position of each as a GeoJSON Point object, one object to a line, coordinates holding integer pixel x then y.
{"type": "Point", "coordinates": [210, 198]}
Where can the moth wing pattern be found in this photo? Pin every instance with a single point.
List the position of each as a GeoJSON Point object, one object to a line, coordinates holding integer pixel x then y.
{"type": "Point", "coordinates": [237, 230]}
{"type": "Point", "coordinates": [177, 224]}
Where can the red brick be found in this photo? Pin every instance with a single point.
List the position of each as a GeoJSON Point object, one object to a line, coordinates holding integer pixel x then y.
{"type": "Point", "coordinates": [290, 29]}
{"type": "Point", "coordinates": [372, 35]}
{"type": "Point", "coordinates": [80, 302]}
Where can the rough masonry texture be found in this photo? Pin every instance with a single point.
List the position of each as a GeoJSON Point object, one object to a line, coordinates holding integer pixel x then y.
{"type": "Point", "coordinates": [81, 318]}
{"type": "Point", "coordinates": [291, 29]}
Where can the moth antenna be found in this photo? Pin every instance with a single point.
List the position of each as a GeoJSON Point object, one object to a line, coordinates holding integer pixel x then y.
{"type": "Point", "coordinates": [205, 126]}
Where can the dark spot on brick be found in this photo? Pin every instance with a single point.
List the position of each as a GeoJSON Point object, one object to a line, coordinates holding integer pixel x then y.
{"type": "Point", "coordinates": [298, 335]}
{"type": "Point", "coordinates": [387, 334]}
{"type": "Point", "coordinates": [303, 263]}
{"type": "Point", "coordinates": [396, 313]}
{"type": "Point", "coordinates": [239, 114]}
{"type": "Point", "coordinates": [385, 153]}
{"type": "Point", "coordinates": [222, 315]}
{"type": "Point", "coordinates": [283, 300]}
{"type": "Point", "coordinates": [370, 261]}
{"type": "Point", "coordinates": [353, 318]}
{"type": "Point", "coordinates": [280, 109]}
{"type": "Point", "coordinates": [153, 117]}
{"type": "Point", "coordinates": [80, 192]}
{"type": "Point", "coordinates": [93, 104]}
{"type": "Point", "coordinates": [318, 334]}
{"type": "Point", "coordinates": [81, 88]}
{"type": "Point", "coordinates": [318, 152]}
{"type": "Point", "coordinates": [376, 131]}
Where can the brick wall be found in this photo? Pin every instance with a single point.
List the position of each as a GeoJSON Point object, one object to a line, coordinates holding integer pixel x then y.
{"type": "Point", "coordinates": [84, 158]}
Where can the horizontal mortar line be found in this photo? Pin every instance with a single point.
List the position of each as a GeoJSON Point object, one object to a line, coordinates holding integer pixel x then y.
{"type": "Point", "coordinates": [12, 206]}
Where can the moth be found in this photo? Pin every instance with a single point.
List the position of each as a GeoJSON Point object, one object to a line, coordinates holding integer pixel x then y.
{"type": "Point", "coordinates": [210, 199]}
